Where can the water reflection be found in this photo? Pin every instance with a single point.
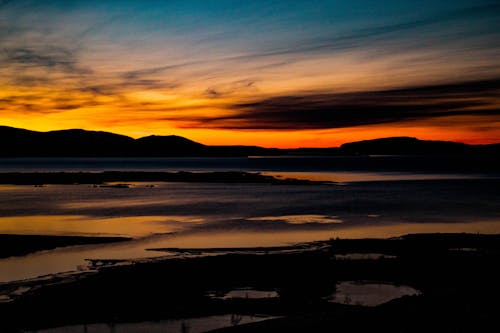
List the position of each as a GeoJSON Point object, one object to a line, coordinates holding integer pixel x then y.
{"type": "Point", "coordinates": [246, 293]}
{"type": "Point", "coordinates": [78, 225]}
{"type": "Point", "coordinates": [203, 215]}
{"type": "Point", "coordinates": [342, 177]}
{"type": "Point", "coordinates": [70, 259]}
{"type": "Point", "coordinates": [299, 219]}
{"type": "Point", "coordinates": [191, 325]}
{"type": "Point", "coordinates": [363, 256]}
{"type": "Point", "coordinates": [74, 258]}
{"type": "Point", "coordinates": [369, 294]}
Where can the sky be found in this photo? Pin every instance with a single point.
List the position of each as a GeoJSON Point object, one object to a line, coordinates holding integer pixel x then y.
{"type": "Point", "coordinates": [292, 73]}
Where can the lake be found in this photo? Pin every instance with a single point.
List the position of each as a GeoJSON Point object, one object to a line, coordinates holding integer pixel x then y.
{"type": "Point", "coordinates": [363, 200]}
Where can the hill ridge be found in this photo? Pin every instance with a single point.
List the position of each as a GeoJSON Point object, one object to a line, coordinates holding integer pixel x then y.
{"type": "Point", "coordinates": [18, 142]}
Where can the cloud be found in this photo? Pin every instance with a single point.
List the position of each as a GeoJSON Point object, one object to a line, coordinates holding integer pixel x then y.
{"type": "Point", "coordinates": [391, 35]}
{"type": "Point", "coordinates": [118, 86]}
{"type": "Point", "coordinates": [224, 90]}
{"type": "Point", "coordinates": [140, 73]}
{"type": "Point", "coordinates": [325, 111]}
{"type": "Point", "coordinates": [50, 57]}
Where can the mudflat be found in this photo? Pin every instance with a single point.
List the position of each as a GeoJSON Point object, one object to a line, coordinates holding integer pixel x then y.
{"type": "Point", "coordinates": [455, 275]}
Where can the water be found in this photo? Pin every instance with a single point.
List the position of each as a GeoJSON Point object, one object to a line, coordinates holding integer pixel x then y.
{"type": "Point", "coordinates": [191, 325]}
{"type": "Point", "coordinates": [369, 294]}
{"type": "Point", "coordinates": [365, 202]}
{"type": "Point", "coordinates": [246, 293]}
{"type": "Point", "coordinates": [406, 164]}
{"type": "Point", "coordinates": [363, 256]}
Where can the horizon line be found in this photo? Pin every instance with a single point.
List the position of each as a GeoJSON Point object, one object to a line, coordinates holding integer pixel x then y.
{"type": "Point", "coordinates": [239, 145]}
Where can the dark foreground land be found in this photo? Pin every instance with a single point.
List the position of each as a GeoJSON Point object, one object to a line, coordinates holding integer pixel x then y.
{"type": "Point", "coordinates": [18, 245]}
{"type": "Point", "coordinates": [457, 274]}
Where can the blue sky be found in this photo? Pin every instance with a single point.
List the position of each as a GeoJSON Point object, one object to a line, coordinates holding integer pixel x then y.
{"type": "Point", "coordinates": [188, 64]}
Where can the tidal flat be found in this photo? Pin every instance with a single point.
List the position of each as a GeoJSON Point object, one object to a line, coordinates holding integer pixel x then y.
{"type": "Point", "coordinates": [239, 251]}
{"type": "Point", "coordinates": [457, 290]}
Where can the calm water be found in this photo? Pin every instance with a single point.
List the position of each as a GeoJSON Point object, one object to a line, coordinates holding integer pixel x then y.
{"type": "Point", "coordinates": [191, 325]}
{"type": "Point", "coordinates": [369, 293]}
{"type": "Point", "coordinates": [412, 164]}
{"type": "Point", "coordinates": [246, 293]}
{"type": "Point", "coordinates": [361, 203]}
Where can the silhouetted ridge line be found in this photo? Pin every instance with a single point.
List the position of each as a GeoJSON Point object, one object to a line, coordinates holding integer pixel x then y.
{"type": "Point", "coordinates": [81, 143]}
{"type": "Point", "coordinates": [405, 146]}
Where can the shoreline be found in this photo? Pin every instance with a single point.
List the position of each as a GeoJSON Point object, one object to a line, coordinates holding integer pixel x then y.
{"type": "Point", "coordinates": [454, 272]}
{"type": "Point", "coordinates": [104, 177]}
{"type": "Point", "coordinates": [19, 245]}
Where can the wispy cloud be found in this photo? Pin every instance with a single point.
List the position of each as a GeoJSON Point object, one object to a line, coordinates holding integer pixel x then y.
{"type": "Point", "coordinates": [47, 57]}
{"type": "Point", "coordinates": [390, 35]}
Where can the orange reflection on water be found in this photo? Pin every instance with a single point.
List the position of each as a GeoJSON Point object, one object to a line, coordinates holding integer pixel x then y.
{"type": "Point", "coordinates": [395, 230]}
{"type": "Point", "coordinates": [238, 239]}
{"type": "Point", "coordinates": [75, 225]}
{"type": "Point", "coordinates": [299, 219]}
{"type": "Point", "coordinates": [71, 258]}
{"type": "Point", "coordinates": [235, 239]}
{"type": "Point", "coordinates": [125, 202]}
{"type": "Point", "coordinates": [348, 176]}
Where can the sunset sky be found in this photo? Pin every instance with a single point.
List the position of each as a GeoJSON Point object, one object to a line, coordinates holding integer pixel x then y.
{"type": "Point", "coordinates": [270, 73]}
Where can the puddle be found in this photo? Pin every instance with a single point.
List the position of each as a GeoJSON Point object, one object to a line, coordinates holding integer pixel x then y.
{"type": "Point", "coordinates": [5, 299]}
{"type": "Point", "coordinates": [191, 325]}
{"type": "Point", "coordinates": [464, 249]}
{"type": "Point", "coordinates": [369, 294]}
{"type": "Point", "coordinates": [21, 290]}
{"type": "Point", "coordinates": [9, 295]}
{"type": "Point", "coordinates": [245, 293]}
{"type": "Point", "coordinates": [363, 256]}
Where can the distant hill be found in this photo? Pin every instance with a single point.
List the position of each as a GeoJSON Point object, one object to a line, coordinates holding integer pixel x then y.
{"type": "Point", "coordinates": [80, 143]}
{"type": "Point", "coordinates": [170, 145]}
{"type": "Point", "coordinates": [74, 142]}
{"type": "Point", "coordinates": [404, 146]}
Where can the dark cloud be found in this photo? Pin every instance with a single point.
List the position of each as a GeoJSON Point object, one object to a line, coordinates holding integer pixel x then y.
{"type": "Point", "coordinates": [117, 90]}
{"type": "Point", "coordinates": [118, 87]}
{"type": "Point", "coordinates": [73, 106]}
{"type": "Point", "coordinates": [323, 111]}
{"type": "Point", "coordinates": [29, 80]}
{"type": "Point", "coordinates": [140, 73]}
{"type": "Point", "coordinates": [34, 103]}
{"type": "Point", "coordinates": [46, 57]}
{"type": "Point", "coordinates": [230, 88]}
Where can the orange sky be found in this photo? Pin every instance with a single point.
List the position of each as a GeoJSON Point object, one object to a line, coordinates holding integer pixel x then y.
{"type": "Point", "coordinates": [277, 82]}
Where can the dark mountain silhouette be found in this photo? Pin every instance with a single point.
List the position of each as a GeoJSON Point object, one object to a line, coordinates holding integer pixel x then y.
{"type": "Point", "coordinates": [404, 146]}
{"type": "Point", "coordinates": [81, 143]}
{"type": "Point", "coordinates": [74, 142]}
{"type": "Point", "coordinates": [171, 145]}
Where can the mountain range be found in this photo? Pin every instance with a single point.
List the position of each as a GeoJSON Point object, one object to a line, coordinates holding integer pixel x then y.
{"type": "Point", "coordinates": [81, 143]}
